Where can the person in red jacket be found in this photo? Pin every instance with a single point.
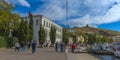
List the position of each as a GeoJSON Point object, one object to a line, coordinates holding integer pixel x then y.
{"type": "Point", "coordinates": [73, 47]}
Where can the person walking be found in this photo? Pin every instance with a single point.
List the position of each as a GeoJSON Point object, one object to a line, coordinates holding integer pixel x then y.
{"type": "Point", "coordinates": [17, 46]}
{"type": "Point", "coordinates": [56, 46]}
{"type": "Point", "coordinates": [73, 47]}
{"type": "Point", "coordinates": [62, 47]}
{"type": "Point", "coordinates": [22, 47]}
{"type": "Point", "coordinates": [28, 45]}
{"type": "Point", "coordinates": [33, 47]}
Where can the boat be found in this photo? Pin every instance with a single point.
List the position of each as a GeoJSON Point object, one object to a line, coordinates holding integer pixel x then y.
{"type": "Point", "coordinates": [116, 49]}
{"type": "Point", "coordinates": [101, 49]}
{"type": "Point", "coordinates": [117, 53]}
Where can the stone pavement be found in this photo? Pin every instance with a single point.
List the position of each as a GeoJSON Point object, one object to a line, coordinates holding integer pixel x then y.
{"type": "Point", "coordinates": [80, 56]}
{"type": "Point", "coordinates": [41, 54]}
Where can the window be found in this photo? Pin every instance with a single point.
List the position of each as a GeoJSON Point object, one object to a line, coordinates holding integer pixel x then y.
{"type": "Point", "coordinates": [47, 24]}
{"type": "Point", "coordinates": [36, 22]}
{"type": "Point", "coordinates": [44, 23]}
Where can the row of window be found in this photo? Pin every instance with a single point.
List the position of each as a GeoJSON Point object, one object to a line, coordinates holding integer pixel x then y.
{"type": "Point", "coordinates": [47, 24]}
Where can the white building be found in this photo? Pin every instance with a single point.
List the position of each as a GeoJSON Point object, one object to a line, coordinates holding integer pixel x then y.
{"type": "Point", "coordinates": [47, 23]}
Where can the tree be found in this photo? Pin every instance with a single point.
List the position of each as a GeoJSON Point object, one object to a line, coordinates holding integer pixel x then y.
{"type": "Point", "coordinates": [7, 18]}
{"type": "Point", "coordinates": [106, 39]}
{"type": "Point", "coordinates": [23, 32]}
{"type": "Point", "coordinates": [91, 38]}
{"type": "Point", "coordinates": [26, 32]}
{"type": "Point", "coordinates": [74, 38]}
{"type": "Point", "coordinates": [65, 36]}
{"type": "Point", "coordinates": [31, 26]}
{"type": "Point", "coordinates": [53, 34]}
{"type": "Point", "coordinates": [42, 35]}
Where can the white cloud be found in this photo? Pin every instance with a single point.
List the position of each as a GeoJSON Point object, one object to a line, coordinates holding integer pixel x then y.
{"type": "Point", "coordinates": [20, 2]}
{"type": "Point", "coordinates": [82, 12]}
{"type": "Point", "coordinates": [112, 15]}
{"type": "Point", "coordinates": [52, 9]}
{"type": "Point", "coordinates": [24, 3]}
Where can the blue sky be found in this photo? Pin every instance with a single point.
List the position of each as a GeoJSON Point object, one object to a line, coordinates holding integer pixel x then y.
{"type": "Point", "coordinates": [97, 13]}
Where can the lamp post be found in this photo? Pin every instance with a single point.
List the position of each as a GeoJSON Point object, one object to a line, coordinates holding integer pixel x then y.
{"type": "Point", "coordinates": [66, 13]}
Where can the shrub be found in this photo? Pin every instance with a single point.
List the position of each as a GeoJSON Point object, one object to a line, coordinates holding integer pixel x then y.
{"type": "Point", "coordinates": [11, 41]}
{"type": "Point", "coordinates": [2, 42]}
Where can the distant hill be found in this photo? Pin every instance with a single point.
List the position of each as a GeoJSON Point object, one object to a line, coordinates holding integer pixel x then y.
{"type": "Point", "coordinates": [91, 30]}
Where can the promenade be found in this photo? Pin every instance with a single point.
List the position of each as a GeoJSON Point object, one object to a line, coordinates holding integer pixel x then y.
{"type": "Point", "coordinates": [43, 54]}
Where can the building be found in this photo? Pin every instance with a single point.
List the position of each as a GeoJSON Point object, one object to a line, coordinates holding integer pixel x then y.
{"type": "Point", "coordinates": [80, 38]}
{"type": "Point", "coordinates": [46, 23]}
{"type": "Point", "coordinates": [116, 38]}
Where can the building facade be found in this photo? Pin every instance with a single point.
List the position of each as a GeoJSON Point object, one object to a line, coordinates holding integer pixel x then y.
{"type": "Point", "coordinates": [46, 23]}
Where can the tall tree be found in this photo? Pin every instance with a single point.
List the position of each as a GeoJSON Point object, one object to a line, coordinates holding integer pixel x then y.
{"type": "Point", "coordinates": [42, 35]}
{"type": "Point", "coordinates": [23, 32]}
{"type": "Point", "coordinates": [26, 32]}
{"type": "Point", "coordinates": [65, 36]}
{"type": "Point", "coordinates": [53, 34]}
{"type": "Point", "coordinates": [31, 26]}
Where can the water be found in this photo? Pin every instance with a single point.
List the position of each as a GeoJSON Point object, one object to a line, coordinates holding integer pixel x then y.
{"type": "Point", "coordinates": [107, 57]}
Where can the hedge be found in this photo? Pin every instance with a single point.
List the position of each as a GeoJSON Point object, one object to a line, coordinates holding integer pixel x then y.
{"type": "Point", "coordinates": [7, 41]}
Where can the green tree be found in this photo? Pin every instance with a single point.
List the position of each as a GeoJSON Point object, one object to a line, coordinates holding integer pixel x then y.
{"type": "Point", "coordinates": [65, 36]}
{"type": "Point", "coordinates": [106, 39]}
{"type": "Point", "coordinates": [31, 26]}
{"type": "Point", "coordinates": [42, 35]}
{"type": "Point", "coordinates": [23, 32]}
{"type": "Point", "coordinates": [7, 18]}
{"type": "Point", "coordinates": [74, 37]}
{"type": "Point", "coordinates": [91, 38]}
{"type": "Point", "coordinates": [53, 34]}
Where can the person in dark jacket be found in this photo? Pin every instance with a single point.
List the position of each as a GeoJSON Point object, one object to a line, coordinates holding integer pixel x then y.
{"type": "Point", "coordinates": [56, 46]}
{"type": "Point", "coordinates": [33, 47]}
{"type": "Point", "coordinates": [22, 47]}
{"type": "Point", "coordinates": [62, 47]}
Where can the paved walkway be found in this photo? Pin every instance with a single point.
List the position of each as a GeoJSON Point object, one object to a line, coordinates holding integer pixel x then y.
{"type": "Point", "coordinates": [41, 54]}
{"type": "Point", "coordinates": [80, 56]}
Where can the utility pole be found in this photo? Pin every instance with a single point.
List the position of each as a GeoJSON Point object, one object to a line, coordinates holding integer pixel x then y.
{"type": "Point", "coordinates": [67, 13]}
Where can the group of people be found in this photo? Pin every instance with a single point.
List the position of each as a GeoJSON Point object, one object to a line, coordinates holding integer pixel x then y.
{"type": "Point", "coordinates": [21, 46]}
{"type": "Point", "coordinates": [63, 47]}
{"type": "Point", "coordinates": [60, 46]}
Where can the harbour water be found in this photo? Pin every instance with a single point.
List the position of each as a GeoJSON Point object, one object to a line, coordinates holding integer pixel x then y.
{"type": "Point", "coordinates": [107, 57]}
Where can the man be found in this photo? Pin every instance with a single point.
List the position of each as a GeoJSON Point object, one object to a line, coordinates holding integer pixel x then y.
{"type": "Point", "coordinates": [33, 47]}
{"type": "Point", "coordinates": [17, 46]}
{"type": "Point", "coordinates": [56, 46]}
{"type": "Point", "coordinates": [62, 46]}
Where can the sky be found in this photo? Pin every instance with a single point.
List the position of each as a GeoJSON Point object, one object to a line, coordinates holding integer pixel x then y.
{"type": "Point", "coordinates": [96, 13]}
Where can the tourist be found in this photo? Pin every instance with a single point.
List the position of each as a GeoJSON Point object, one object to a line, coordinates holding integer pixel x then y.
{"type": "Point", "coordinates": [62, 47]}
{"type": "Point", "coordinates": [28, 45]}
{"type": "Point", "coordinates": [17, 46]}
{"type": "Point", "coordinates": [56, 46]}
{"type": "Point", "coordinates": [33, 47]}
{"type": "Point", "coordinates": [73, 47]}
{"type": "Point", "coordinates": [22, 47]}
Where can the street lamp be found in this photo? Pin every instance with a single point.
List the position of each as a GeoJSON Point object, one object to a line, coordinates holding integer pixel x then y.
{"type": "Point", "coordinates": [66, 13]}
